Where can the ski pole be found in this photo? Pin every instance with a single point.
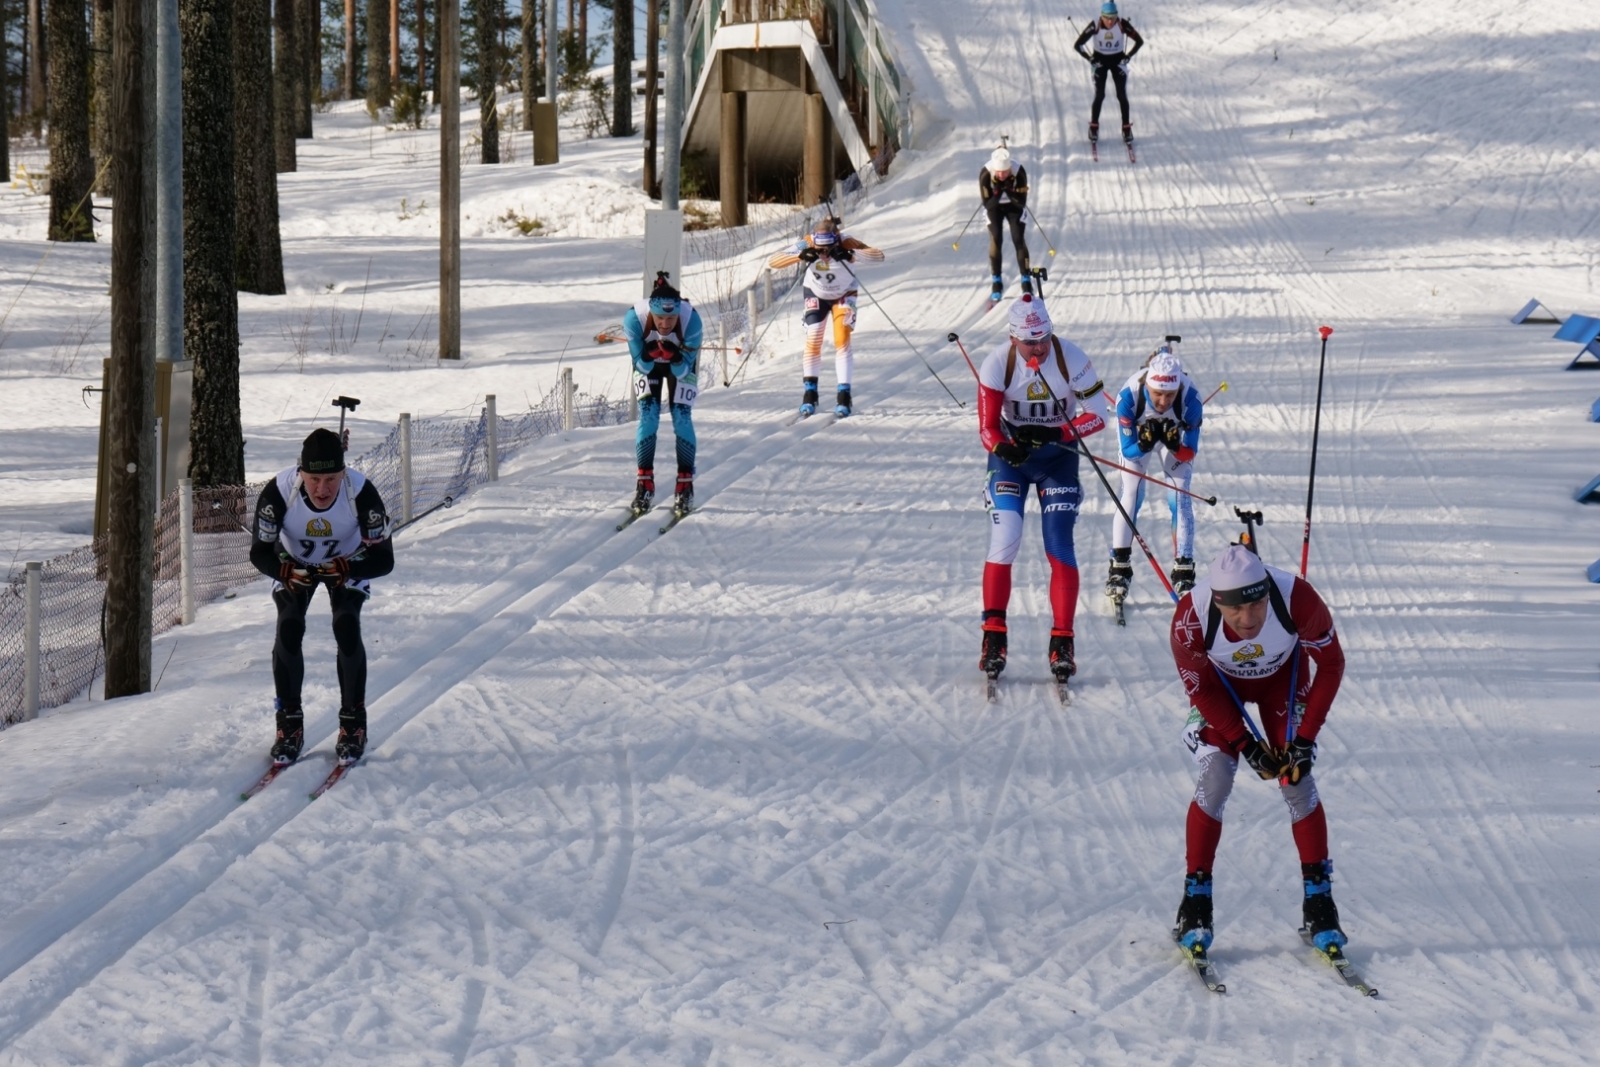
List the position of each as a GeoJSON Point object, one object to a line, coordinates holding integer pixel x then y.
{"type": "Point", "coordinates": [957, 339]}
{"type": "Point", "coordinates": [772, 317]}
{"type": "Point", "coordinates": [957, 244]}
{"type": "Point", "coordinates": [1137, 473]}
{"type": "Point", "coordinates": [1077, 440]}
{"type": "Point", "coordinates": [1316, 427]}
{"type": "Point", "coordinates": [1047, 242]}
{"type": "Point", "coordinates": [1223, 388]}
{"type": "Point", "coordinates": [903, 337]}
{"type": "Point", "coordinates": [446, 502]}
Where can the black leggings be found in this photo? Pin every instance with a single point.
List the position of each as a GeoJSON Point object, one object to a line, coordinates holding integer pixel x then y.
{"type": "Point", "coordinates": [1119, 79]}
{"type": "Point", "coordinates": [289, 666]}
{"type": "Point", "coordinates": [1011, 214]}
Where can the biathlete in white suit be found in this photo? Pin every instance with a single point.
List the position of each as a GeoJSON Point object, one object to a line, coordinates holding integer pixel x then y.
{"type": "Point", "coordinates": [1029, 387]}
{"type": "Point", "coordinates": [320, 524]}
{"type": "Point", "coordinates": [1252, 634]}
{"type": "Point", "coordinates": [664, 337]}
{"type": "Point", "coordinates": [1158, 414]}
{"type": "Point", "coordinates": [829, 290]}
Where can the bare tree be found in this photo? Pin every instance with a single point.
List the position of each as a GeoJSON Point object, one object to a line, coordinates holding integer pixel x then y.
{"type": "Point", "coordinates": [422, 46]}
{"type": "Point", "coordinates": [532, 70]}
{"type": "Point", "coordinates": [378, 87]}
{"type": "Point", "coordinates": [100, 95]}
{"type": "Point", "coordinates": [5, 102]}
{"type": "Point", "coordinates": [210, 300]}
{"type": "Point", "coordinates": [258, 254]}
{"type": "Point", "coordinates": [488, 77]}
{"type": "Point", "coordinates": [286, 69]}
{"type": "Point", "coordinates": [308, 20]}
{"type": "Point", "coordinates": [622, 68]}
{"type": "Point", "coordinates": [130, 383]}
{"type": "Point", "coordinates": [349, 49]}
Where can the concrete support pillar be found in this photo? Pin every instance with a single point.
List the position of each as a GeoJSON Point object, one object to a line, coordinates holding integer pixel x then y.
{"type": "Point", "coordinates": [734, 170]}
{"type": "Point", "coordinates": [814, 171]}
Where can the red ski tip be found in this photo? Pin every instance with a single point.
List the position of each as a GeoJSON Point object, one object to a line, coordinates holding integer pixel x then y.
{"type": "Point", "coordinates": [1325, 331]}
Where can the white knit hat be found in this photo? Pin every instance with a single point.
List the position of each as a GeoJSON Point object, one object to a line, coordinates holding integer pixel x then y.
{"type": "Point", "coordinates": [1237, 577]}
{"type": "Point", "coordinates": [1165, 373]}
{"type": "Point", "coordinates": [999, 161]}
{"type": "Point", "coordinates": [1029, 320]}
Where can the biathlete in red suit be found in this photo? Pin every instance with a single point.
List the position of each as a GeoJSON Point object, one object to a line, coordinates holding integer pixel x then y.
{"type": "Point", "coordinates": [1030, 387]}
{"type": "Point", "coordinates": [1249, 634]}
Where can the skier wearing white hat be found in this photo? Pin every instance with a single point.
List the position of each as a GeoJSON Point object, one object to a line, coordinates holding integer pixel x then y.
{"type": "Point", "coordinates": [1249, 633]}
{"type": "Point", "coordinates": [1030, 386]}
{"type": "Point", "coordinates": [1158, 414]}
{"type": "Point", "coordinates": [1003, 187]}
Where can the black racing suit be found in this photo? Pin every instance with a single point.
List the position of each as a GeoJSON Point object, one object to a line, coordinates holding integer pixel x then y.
{"type": "Point", "coordinates": [374, 560]}
{"type": "Point", "coordinates": [1004, 202]}
{"type": "Point", "coordinates": [1115, 64]}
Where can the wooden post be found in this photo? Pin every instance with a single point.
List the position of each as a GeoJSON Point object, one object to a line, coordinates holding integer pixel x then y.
{"type": "Point", "coordinates": [394, 42]}
{"type": "Point", "coordinates": [731, 161]}
{"type": "Point", "coordinates": [449, 179]}
{"type": "Point", "coordinates": [814, 177]}
{"type": "Point", "coordinates": [652, 71]}
{"type": "Point", "coordinates": [491, 452]}
{"type": "Point", "coordinates": [405, 467]}
{"type": "Point", "coordinates": [621, 69]}
{"type": "Point", "coordinates": [567, 389]}
{"type": "Point", "coordinates": [186, 548]}
{"type": "Point", "coordinates": [130, 389]}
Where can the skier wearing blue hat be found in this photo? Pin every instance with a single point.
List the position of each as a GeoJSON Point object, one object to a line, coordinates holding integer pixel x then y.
{"type": "Point", "coordinates": [664, 337]}
{"type": "Point", "coordinates": [1111, 33]}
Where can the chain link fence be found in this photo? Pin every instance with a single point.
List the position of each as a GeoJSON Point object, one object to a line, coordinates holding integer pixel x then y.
{"type": "Point", "coordinates": [448, 455]}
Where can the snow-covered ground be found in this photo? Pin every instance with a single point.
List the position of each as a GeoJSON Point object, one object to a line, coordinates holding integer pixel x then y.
{"type": "Point", "coordinates": [731, 795]}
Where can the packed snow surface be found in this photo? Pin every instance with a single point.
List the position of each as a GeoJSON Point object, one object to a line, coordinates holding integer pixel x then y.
{"type": "Point", "coordinates": [732, 795]}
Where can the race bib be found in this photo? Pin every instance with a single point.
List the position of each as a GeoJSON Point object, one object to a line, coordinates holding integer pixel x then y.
{"type": "Point", "coordinates": [685, 393]}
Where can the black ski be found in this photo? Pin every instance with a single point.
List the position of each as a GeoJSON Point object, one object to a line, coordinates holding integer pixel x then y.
{"type": "Point", "coordinates": [993, 690]}
{"type": "Point", "coordinates": [677, 516]}
{"type": "Point", "coordinates": [1201, 962]}
{"type": "Point", "coordinates": [1116, 606]}
{"type": "Point", "coordinates": [1336, 959]}
{"type": "Point", "coordinates": [633, 514]}
{"type": "Point", "coordinates": [1131, 157]}
{"type": "Point", "coordinates": [1062, 693]}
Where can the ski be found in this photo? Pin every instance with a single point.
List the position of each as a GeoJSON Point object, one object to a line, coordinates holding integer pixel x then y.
{"type": "Point", "coordinates": [1200, 960]}
{"type": "Point", "coordinates": [1116, 606]}
{"type": "Point", "coordinates": [633, 514]}
{"type": "Point", "coordinates": [1336, 959]}
{"type": "Point", "coordinates": [1094, 151]}
{"type": "Point", "coordinates": [677, 516]}
{"type": "Point", "coordinates": [993, 691]}
{"type": "Point", "coordinates": [1062, 693]}
{"type": "Point", "coordinates": [1131, 157]}
{"type": "Point", "coordinates": [266, 780]}
{"type": "Point", "coordinates": [333, 777]}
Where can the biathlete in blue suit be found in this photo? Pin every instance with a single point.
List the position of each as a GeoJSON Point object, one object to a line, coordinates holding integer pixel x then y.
{"type": "Point", "coordinates": [664, 337]}
{"type": "Point", "coordinates": [1158, 412]}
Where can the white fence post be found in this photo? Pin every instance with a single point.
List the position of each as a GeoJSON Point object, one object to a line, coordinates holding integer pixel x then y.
{"type": "Point", "coordinates": [722, 347]}
{"type": "Point", "coordinates": [492, 456]}
{"type": "Point", "coordinates": [30, 643]}
{"type": "Point", "coordinates": [405, 466]}
{"type": "Point", "coordinates": [186, 546]}
{"type": "Point", "coordinates": [753, 315]}
{"type": "Point", "coordinates": [566, 398]}
{"type": "Point", "coordinates": [766, 288]}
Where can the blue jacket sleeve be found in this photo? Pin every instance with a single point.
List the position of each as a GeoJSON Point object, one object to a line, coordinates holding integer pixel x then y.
{"type": "Point", "coordinates": [1127, 432]}
{"type": "Point", "coordinates": [689, 356]}
{"type": "Point", "coordinates": [1193, 415]}
{"type": "Point", "coordinates": [633, 329]}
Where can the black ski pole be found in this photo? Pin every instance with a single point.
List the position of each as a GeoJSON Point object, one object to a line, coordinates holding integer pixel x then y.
{"type": "Point", "coordinates": [1316, 428]}
{"type": "Point", "coordinates": [344, 404]}
{"type": "Point", "coordinates": [903, 337]}
{"type": "Point", "coordinates": [1051, 245]}
{"type": "Point", "coordinates": [963, 233]}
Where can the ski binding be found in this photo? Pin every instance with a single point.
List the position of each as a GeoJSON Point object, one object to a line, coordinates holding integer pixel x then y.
{"type": "Point", "coordinates": [1200, 960]}
{"type": "Point", "coordinates": [1341, 963]}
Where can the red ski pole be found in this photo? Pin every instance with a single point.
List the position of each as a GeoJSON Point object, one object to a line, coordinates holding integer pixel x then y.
{"type": "Point", "coordinates": [957, 339]}
{"type": "Point", "coordinates": [1316, 428]}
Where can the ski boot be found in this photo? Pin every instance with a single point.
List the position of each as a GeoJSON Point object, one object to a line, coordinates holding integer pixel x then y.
{"type": "Point", "coordinates": [1027, 285]}
{"type": "Point", "coordinates": [1320, 914]}
{"type": "Point", "coordinates": [645, 492]}
{"type": "Point", "coordinates": [808, 399]}
{"type": "Point", "coordinates": [1182, 575]}
{"type": "Point", "coordinates": [842, 407]}
{"type": "Point", "coordinates": [992, 660]}
{"type": "Point", "coordinates": [291, 734]}
{"type": "Point", "coordinates": [1193, 929]}
{"type": "Point", "coordinates": [1094, 133]}
{"type": "Point", "coordinates": [352, 741]}
{"type": "Point", "coordinates": [1127, 133]}
{"type": "Point", "coordinates": [997, 290]}
{"type": "Point", "coordinates": [1121, 574]}
{"type": "Point", "coordinates": [1063, 664]}
{"type": "Point", "coordinates": [683, 503]}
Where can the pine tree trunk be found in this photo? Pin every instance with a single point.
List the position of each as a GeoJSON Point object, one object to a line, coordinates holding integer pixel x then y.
{"type": "Point", "coordinates": [304, 54]}
{"type": "Point", "coordinates": [378, 88]}
{"type": "Point", "coordinates": [311, 54]}
{"type": "Point", "coordinates": [285, 63]}
{"type": "Point", "coordinates": [258, 256]}
{"type": "Point", "coordinates": [532, 72]}
{"type": "Point", "coordinates": [210, 302]}
{"type": "Point", "coordinates": [488, 78]}
{"type": "Point", "coordinates": [422, 46]}
{"type": "Point", "coordinates": [5, 102]}
{"type": "Point", "coordinates": [71, 166]}
{"type": "Point", "coordinates": [622, 69]}
{"type": "Point", "coordinates": [350, 49]}
{"type": "Point", "coordinates": [39, 64]}
{"type": "Point", "coordinates": [100, 97]}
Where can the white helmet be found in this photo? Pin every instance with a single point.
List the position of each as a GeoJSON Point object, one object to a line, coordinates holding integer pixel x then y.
{"type": "Point", "coordinates": [1029, 320]}
{"type": "Point", "coordinates": [1165, 373]}
{"type": "Point", "coordinates": [999, 161]}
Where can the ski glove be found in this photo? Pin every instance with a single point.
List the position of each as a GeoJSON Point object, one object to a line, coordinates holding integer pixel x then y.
{"type": "Point", "coordinates": [336, 571]}
{"type": "Point", "coordinates": [294, 574]}
{"type": "Point", "coordinates": [1264, 761]}
{"type": "Point", "coordinates": [1300, 756]}
{"type": "Point", "coordinates": [1013, 453]}
{"type": "Point", "coordinates": [810, 255]}
{"type": "Point", "coordinates": [1034, 436]}
{"type": "Point", "coordinates": [662, 351]}
{"type": "Point", "coordinates": [1151, 433]}
{"type": "Point", "coordinates": [1172, 436]}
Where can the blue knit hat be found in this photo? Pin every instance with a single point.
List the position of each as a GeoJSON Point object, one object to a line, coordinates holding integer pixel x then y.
{"type": "Point", "coordinates": [1108, 9]}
